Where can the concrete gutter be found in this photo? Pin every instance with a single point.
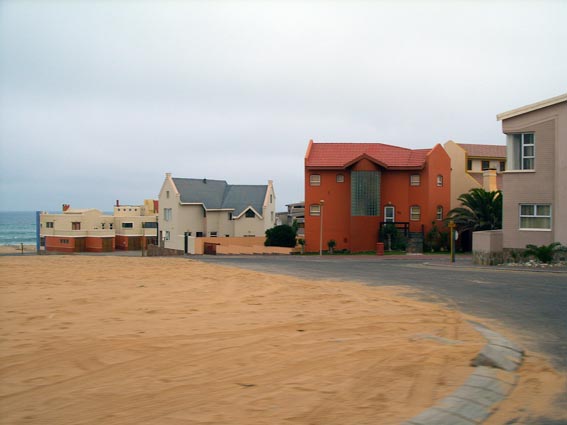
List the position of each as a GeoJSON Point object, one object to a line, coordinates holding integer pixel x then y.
{"type": "Point", "coordinates": [493, 380]}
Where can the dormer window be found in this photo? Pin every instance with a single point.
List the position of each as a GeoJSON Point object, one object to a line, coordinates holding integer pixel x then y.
{"type": "Point", "coordinates": [249, 213]}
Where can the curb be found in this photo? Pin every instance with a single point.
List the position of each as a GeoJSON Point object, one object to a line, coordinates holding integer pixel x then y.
{"type": "Point", "coordinates": [494, 378]}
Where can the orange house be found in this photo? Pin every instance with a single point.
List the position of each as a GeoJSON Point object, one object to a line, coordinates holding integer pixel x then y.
{"type": "Point", "coordinates": [351, 188]}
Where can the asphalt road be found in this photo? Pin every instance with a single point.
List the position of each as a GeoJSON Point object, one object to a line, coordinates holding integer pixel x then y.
{"type": "Point", "coordinates": [531, 304]}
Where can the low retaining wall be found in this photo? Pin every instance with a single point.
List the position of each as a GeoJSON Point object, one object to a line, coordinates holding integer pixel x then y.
{"type": "Point", "coordinates": [239, 245]}
{"type": "Point", "coordinates": [156, 251]}
{"type": "Point", "coordinates": [487, 248]}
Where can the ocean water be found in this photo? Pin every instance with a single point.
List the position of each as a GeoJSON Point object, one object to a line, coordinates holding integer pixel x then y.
{"type": "Point", "coordinates": [17, 227]}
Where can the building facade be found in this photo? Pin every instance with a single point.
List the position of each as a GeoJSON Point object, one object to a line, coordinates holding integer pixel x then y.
{"type": "Point", "coordinates": [535, 181]}
{"type": "Point", "coordinates": [89, 230]}
{"type": "Point", "coordinates": [351, 188]}
{"type": "Point", "coordinates": [475, 166]}
{"type": "Point", "coordinates": [192, 208]}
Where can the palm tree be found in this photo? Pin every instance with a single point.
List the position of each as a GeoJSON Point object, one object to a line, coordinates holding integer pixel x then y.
{"type": "Point", "coordinates": [480, 210]}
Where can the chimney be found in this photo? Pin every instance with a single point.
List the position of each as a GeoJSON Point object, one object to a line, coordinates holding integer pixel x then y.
{"type": "Point", "coordinates": [167, 175]}
{"type": "Point", "coordinates": [117, 202]}
{"type": "Point", "coordinates": [489, 180]}
{"type": "Point", "coordinates": [66, 207]}
{"type": "Point", "coordinates": [205, 181]}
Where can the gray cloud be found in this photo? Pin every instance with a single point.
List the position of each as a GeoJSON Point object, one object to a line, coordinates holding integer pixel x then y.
{"type": "Point", "coordinates": [99, 99]}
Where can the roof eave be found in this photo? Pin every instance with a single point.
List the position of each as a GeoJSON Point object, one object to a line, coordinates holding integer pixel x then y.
{"type": "Point", "coordinates": [532, 107]}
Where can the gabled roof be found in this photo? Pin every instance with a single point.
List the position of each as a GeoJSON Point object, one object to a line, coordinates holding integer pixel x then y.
{"type": "Point", "coordinates": [342, 155]}
{"type": "Point", "coordinates": [484, 151]}
{"type": "Point", "coordinates": [532, 107]}
{"type": "Point", "coordinates": [218, 194]}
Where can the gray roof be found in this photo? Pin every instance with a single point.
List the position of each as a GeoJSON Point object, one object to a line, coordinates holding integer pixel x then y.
{"type": "Point", "coordinates": [218, 194]}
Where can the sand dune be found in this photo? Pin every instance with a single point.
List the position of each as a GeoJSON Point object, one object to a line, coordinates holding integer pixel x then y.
{"type": "Point", "coordinates": [116, 340]}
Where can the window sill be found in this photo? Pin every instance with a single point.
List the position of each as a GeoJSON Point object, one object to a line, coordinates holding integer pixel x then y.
{"type": "Point", "coordinates": [534, 230]}
{"type": "Point", "coordinates": [518, 171]}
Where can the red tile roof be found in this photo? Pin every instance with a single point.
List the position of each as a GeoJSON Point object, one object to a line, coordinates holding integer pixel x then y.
{"type": "Point", "coordinates": [486, 151]}
{"type": "Point", "coordinates": [341, 155]}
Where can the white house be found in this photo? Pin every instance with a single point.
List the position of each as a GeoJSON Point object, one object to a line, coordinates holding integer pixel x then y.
{"type": "Point", "coordinates": [192, 208]}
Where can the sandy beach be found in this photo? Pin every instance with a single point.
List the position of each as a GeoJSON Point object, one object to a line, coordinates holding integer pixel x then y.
{"type": "Point", "coordinates": [131, 340]}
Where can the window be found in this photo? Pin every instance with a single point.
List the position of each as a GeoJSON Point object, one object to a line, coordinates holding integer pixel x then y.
{"type": "Point", "coordinates": [250, 213]}
{"type": "Point", "coordinates": [49, 224]}
{"type": "Point", "coordinates": [111, 226]}
{"type": "Point", "coordinates": [469, 164]}
{"type": "Point", "coordinates": [230, 215]}
{"type": "Point", "coordinates": [213, 234]}
{"type": "Point", "coordinates": [340, 178]}
{"type": "Point", "coordinates": [127, 225]}
{"type": "Point", "coordinates": [315, 209]}
{"type": "Point", "coordinates": [440, 181]}
{"type": "Point", "coordinates": [102, 226]}
{"type": "Point", "coordinates": [389, 214]}
{"type": "Point", "coordinates": [502, 165]}
{"type": "Point", "coordinates": [167, 235]}
{"type": "Point", "coordinates": [523, 151]}
{"type": "Point", "coordinates": [167, 194]}
{"type": "Point", "coordinates": [64, 241]}
{"type": "Point", "coordinates": [199, 234]}
{"type": "Point", "coordinates": [76, 225]}
{"type": "Point", "coordinates": [535, 216]}
{"type": "Point", "coordinates": [415, 213]}
{"type": "Point", "coordinates": [439, 212]}
{"type": "Point", "coordinates": [167, 214]}
{"type": "Point", "coordinates": [415, 180]}
{"type": "Point", "coordinates": [485, 165]}
{"type": "Point", "coordinates": [315, 180]}
{"type": "Point", "coordinates": [365, 193]}
{"type": "Point", "coordinates": [271, 198]}
{"type": "Point", "coordinates": [149, 225]}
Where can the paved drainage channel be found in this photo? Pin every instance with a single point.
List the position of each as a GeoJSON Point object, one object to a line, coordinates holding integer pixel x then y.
{"type": "Point", "coordinates": [493, 380]}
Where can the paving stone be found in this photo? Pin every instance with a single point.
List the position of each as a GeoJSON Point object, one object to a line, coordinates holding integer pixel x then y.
{"type": "Point", "coordinates": [436, 416]}
{"type": "Point", "coordinates": [502, 375]}
{"type": "Point", "coordinates": [467, 409]}
{"type": "Point", "coordinates": [500, 357]}
{"type": "Point", "coordinates": [478, 395]}
{"type": "Point", "coordinates": [490, 384]}
{"type": "Point", "coordinates": [497, 339]}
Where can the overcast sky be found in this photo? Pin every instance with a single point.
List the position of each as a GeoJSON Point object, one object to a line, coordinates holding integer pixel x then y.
{"type": "Point", "coordinates": [99, 99]}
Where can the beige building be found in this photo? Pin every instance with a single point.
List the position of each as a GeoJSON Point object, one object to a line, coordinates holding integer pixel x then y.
{"type": "Point", "coordinates": [475, 166]}
{"type": "Point", "coordinates": [89, 230]}
{"type": "Point", "coordinates": [535, 182]}
{"type": "Point", "coordinates": [196, 208]}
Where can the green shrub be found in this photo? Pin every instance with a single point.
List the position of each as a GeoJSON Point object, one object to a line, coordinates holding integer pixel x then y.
{"type": "Point", "coordinates": [393, 238]}
{"type": "Point", "coordinates": [282, 235]}
{"type": "Point", "coordinates": [544, 253]}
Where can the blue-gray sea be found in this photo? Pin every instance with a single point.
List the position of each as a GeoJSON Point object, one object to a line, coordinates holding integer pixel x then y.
{"type": "Point", "coordinates": [17, 227]}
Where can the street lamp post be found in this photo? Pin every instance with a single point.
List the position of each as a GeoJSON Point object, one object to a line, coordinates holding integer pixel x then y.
{"type": "Point", "coordinates": [321, 203]}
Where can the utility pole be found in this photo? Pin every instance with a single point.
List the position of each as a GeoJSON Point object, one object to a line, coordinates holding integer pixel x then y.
{"type": "Point", "coordinates": [321, 203]}
{"type": "Point", "coordinates": [452, 226]}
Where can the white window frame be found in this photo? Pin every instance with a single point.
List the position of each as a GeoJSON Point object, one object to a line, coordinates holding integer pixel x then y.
{"type": "Point", "coordinates": [167, 235]}
{"type": "Point", "coordinates": [315, 180]}
{"type": "Point", "coordinates": [439, 180]}
{"type": "Point", "coordinates": [439, 212]}
{"type": "Point", "coordinates": [315, 210]}
{"type": "Point", "coordinates": [519, 151]}
{"type": "Point", "coordinates": [415, 180]}
{"type": "Point", "coordinates": [536, 215]}
{"type": "Point", "coordinates": [340, 178]}
{"type": "Point", "coordinates": [167, 214]}
{"type": "Point", "coordinates": [413, 208]}
{"type": "Point", "coordinates": [388, 218]}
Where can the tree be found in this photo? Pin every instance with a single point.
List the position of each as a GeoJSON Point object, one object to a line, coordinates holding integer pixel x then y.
{"type": "Point", "coordinates": [480, 210]}
{"type": "Point", "coordinates": [282, 235]}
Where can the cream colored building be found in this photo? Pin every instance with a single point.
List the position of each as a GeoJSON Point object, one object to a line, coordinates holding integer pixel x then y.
{"type": "Point", "coordinates": [535, 182]}
{"type": "Point", "coordinates": [475, 166]}
{"type": "Point", "coordinates": [80, 230]}
{"type": "Point", "coordinates": [193, 208]}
